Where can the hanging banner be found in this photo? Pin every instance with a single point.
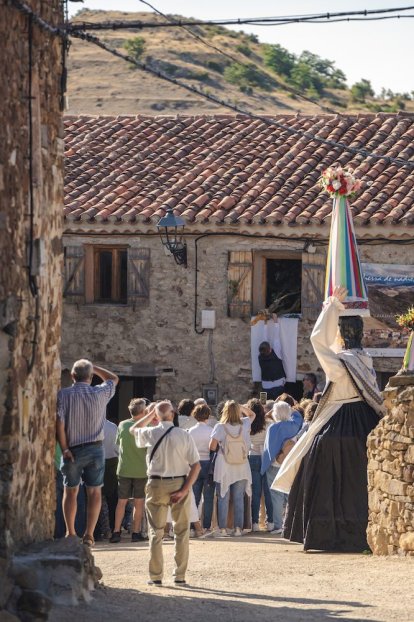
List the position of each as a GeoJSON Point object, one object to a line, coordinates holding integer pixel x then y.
{"type": "Point", "coordinates": [390, 293]}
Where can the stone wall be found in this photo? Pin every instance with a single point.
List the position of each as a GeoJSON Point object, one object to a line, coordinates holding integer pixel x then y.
{"type": "Point", "coordinates": [391, 473]}
{"type": "Point", "coordinates": [29, 371]}
{"type": "Point", "coordinates": [161, 334]}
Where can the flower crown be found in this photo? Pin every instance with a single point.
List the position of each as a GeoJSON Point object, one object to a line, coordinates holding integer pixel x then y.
{"type": "Point", "coordinates": [340, 181]}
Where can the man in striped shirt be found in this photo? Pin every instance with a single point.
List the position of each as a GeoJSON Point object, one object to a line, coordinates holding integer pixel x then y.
{"type": "Point", "coordinates": [81, 415]}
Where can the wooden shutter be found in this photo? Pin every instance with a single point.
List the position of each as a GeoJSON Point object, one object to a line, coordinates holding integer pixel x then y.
{"type": "Point", "coordinates": [239, 284]}
{"type": "Point", "coordinates": [138, 275]}
{"type": "Point", "coordinates": [74, 284]}
{"type": "Point", "coordinates": [313, 284]}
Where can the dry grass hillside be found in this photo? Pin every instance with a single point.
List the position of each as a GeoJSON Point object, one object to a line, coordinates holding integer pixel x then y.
{"type": "Point", "coordinates": [100, 84]}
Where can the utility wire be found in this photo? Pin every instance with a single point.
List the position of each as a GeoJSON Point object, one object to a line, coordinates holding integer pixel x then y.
{"type": "Point", "coordinates": [366, 15]}
{"type": "Point", "coordinates": [269, 121]}
{"type": "Point", "coordinates": [280, 85]}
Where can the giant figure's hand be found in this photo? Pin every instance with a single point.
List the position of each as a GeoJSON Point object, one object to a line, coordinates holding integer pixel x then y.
{"type": "Point", "coordinates": [340, 293]}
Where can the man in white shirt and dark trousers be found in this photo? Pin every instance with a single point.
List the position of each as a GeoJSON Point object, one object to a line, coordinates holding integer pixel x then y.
{"type": "Point", "coordinates": [173, 467]}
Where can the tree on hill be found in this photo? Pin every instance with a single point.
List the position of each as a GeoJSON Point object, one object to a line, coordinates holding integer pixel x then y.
{"type": "Point", "coordinates": [279, 59]}
{"type": "Point", "coordinates": [361, 90]}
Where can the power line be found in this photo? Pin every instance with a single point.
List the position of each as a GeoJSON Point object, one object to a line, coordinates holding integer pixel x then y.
{"type": "Point", "coordinates": [366, 15]}
{"type": "Point", "coordinates": [280, 85]}
{"type": "Point", "coordinates": [302, 133]}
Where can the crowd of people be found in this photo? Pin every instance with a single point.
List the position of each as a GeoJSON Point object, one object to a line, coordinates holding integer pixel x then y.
{"type": "Point", "coordinates": [229, 460]}
{"type": "Point", "coordinates": [307, 460]}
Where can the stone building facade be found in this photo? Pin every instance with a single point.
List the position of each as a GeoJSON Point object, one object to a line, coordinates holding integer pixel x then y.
{"type": "Point", "coordinates": [31, 197]}
{"type": "Point", "coordinates": [151, 341]}
{"type": "Point", "coordinates": [248, 193]}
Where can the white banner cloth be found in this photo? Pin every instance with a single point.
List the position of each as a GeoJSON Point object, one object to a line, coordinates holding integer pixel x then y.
{"type": "Point", "coordinates": [283, 337]}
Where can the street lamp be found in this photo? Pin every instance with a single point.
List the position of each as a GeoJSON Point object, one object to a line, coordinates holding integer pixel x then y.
{"type": "Point", "coordinates": [170, 228]}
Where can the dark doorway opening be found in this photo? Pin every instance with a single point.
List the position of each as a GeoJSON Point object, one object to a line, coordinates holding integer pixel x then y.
{"type": "Point", "coordinates": [283, 285]}
{"type": "Point", "coordinates": [128, 388]}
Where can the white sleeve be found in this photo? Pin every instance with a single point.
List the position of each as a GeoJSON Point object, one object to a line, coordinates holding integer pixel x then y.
{"type": "Point", "coordinates": [323, 339]}
{"type": "Point", "coordinates": [143, 437]}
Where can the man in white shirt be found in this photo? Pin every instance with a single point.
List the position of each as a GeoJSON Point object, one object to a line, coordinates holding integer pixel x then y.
{"type": "Point", "coordinates": [173, 467]}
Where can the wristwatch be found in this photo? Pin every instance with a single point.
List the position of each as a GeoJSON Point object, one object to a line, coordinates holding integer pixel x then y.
{"type": "Point", "coordinates": [65, 451]}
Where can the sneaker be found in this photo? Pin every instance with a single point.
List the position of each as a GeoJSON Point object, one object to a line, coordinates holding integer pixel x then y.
{"type": "Point", "coordinates": [116, 537]}
{"type": "Point", "coordinates": [154, 582]}
{"type": "Point", "coordinates": [221, 533]}
{"type": "Point", "coordinates": [276, 532]}
{"type": "Point", "coordinates": [270, 526]}
{"type": "Point", "coordinates": [180, 582]}
{"type": "Point", "coordinates": [137, 537]}
{"type": "Point", "coordinates": [238, 532]}
{"type": "Point", "coordinates": [207, 533]}
{"type": "Point", "coordinates": [255, 527]}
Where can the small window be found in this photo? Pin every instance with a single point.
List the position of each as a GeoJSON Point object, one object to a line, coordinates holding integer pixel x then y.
{"type": "Point", "coordinates": [111, 277]}
{"type": "Point", "coordinates": [277, 282]}
{"type": "Point", "coordinates": [283, 285]}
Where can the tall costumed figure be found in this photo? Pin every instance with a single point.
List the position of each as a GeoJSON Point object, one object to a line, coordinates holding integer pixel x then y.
{"type": "Point", "coordinates": [325, 474]}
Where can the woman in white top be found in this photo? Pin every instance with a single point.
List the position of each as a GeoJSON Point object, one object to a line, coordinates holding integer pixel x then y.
{"type": "Point", "coordinates": [259, 481]}
{"type": "Point", "coordinates": [232, 470]}
{"type": "Point", "coordinates": [201, 434]}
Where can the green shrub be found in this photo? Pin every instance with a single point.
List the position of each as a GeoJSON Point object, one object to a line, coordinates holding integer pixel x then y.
{"type": "Point", "coordinates": [244, 49]}
{"type": "Point", "coordinates": [246, 75]}
{"type": "Point", "coordinates": [135, 47]}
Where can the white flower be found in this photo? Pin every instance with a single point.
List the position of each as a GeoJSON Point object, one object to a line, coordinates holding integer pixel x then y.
{"type": "Point", "coordinates": [336, 184]}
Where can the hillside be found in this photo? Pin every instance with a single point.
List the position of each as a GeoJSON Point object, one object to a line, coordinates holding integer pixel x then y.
{"type": "Point", "coordinates": [99, 83]}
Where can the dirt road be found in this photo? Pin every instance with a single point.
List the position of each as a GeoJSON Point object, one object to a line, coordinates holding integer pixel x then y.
{"type": "Point", "coordinates": [255, 578]}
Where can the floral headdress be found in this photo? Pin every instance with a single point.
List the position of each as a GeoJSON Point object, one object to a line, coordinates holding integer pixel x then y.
{"type": "Point", "coordinates": [340, 181]}
{"type": "Point", "coordinates": [406, 320]}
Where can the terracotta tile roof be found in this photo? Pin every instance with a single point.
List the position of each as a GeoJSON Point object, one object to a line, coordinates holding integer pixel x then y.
{"type": "Point", "coordinates": [232, 169]}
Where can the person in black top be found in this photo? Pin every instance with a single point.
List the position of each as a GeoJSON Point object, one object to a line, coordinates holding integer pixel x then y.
{"type": "Point", "coordinates": [273, 372]}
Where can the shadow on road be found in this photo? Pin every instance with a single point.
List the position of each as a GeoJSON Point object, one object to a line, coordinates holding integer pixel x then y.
{"type": "Point", "coordinates": [171, 604]}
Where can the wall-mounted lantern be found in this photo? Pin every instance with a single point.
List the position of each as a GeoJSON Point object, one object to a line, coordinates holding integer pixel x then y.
{"type": "Point", "coordinates": [170, 228]}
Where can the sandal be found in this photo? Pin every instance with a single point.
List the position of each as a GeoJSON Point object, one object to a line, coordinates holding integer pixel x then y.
{"type": "Point", "coordinates": [88, 540]}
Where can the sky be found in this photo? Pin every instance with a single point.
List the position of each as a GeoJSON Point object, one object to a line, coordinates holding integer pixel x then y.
{"type": "Point", "coordinates": [381, 52]}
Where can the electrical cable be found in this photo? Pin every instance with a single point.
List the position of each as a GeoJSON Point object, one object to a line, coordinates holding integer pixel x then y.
{"type": "Point", "coordinates": [259, 21]}
{"type": "Point", "coordinates": [304, 134]}
{"type": "Point", "coordinates": [280, 85]}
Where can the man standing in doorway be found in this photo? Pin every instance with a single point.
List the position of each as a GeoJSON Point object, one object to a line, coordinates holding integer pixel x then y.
{"type": "Point", "coordinates": [81, 415]}
{"type": "Point", "coordinates": [173, 467]}
{"type": "Point", "coordinates": [272, 371]}
{"type": "Point", "coordinates": [309, 386]}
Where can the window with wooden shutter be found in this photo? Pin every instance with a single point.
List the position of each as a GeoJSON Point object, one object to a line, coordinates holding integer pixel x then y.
{"type": "Point", "coordinates": [239, 284]}
{"type": "Point", "coordinates": [138, 276]}
{"type": "Point", "coordinates": [74, 284]}
{"type": "Point", "coordinates": [313, 284]}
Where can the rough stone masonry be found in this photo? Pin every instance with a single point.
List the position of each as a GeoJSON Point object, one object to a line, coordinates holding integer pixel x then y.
{"type": "Point", "coordinates": [391, 473]}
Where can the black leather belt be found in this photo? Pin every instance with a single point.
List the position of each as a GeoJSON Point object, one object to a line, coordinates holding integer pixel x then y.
{"type": "Point", "coordinates": [166, 477]}
{"type": "Point", "coordinates": [86, 444]}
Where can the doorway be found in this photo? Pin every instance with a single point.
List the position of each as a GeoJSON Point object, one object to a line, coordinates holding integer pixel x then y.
{"type": "Point", "coordinates": [128, 388]}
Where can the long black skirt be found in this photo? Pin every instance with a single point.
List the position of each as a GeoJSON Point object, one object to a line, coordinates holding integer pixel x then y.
{"type": "Point", "coordinates": [328, 503]}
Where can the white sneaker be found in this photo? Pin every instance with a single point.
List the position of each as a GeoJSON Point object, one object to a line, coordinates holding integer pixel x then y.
{"type": "Point", "coordinates": [256, 527]}
{"type": "Point", "coordinates": [238, 532]}
{"type": "Point", "coordinates": [276, 532]}
{"type": "Point", "coordinates": [221, 533]}
{"type": "Point", "coordinates": [270, 526]}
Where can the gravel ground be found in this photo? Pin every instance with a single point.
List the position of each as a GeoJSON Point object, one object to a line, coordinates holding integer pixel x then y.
{"type": "Point", "coordinates": [255, 578]}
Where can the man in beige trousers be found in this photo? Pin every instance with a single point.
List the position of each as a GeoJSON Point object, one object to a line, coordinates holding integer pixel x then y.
{"type": "Point", "coordinates": [173, 467]}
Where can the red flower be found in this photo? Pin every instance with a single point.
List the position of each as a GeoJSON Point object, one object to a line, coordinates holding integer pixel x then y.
{"type": "Point", "coordinates": [342, 190]}
{"type": "Point", "coordinates": [330, 188]}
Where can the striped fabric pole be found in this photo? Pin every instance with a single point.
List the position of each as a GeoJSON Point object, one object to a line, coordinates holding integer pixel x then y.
{"type": "Point", "coordinates": [408, 363]}
{"type": "Point", "coordinates": [343, 264]}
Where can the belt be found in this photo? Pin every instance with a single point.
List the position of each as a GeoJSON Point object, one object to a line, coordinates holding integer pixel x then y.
{"type": "Point", "coordinates": [166, 477]}
{"type": "Point", "coordinates": [86, 444]}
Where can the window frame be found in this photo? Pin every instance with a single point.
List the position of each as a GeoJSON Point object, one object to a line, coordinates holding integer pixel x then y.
{"type": "Point", "coordinates": [259, 273]}
{"type": "Point", "coordinates": [94, 251]}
